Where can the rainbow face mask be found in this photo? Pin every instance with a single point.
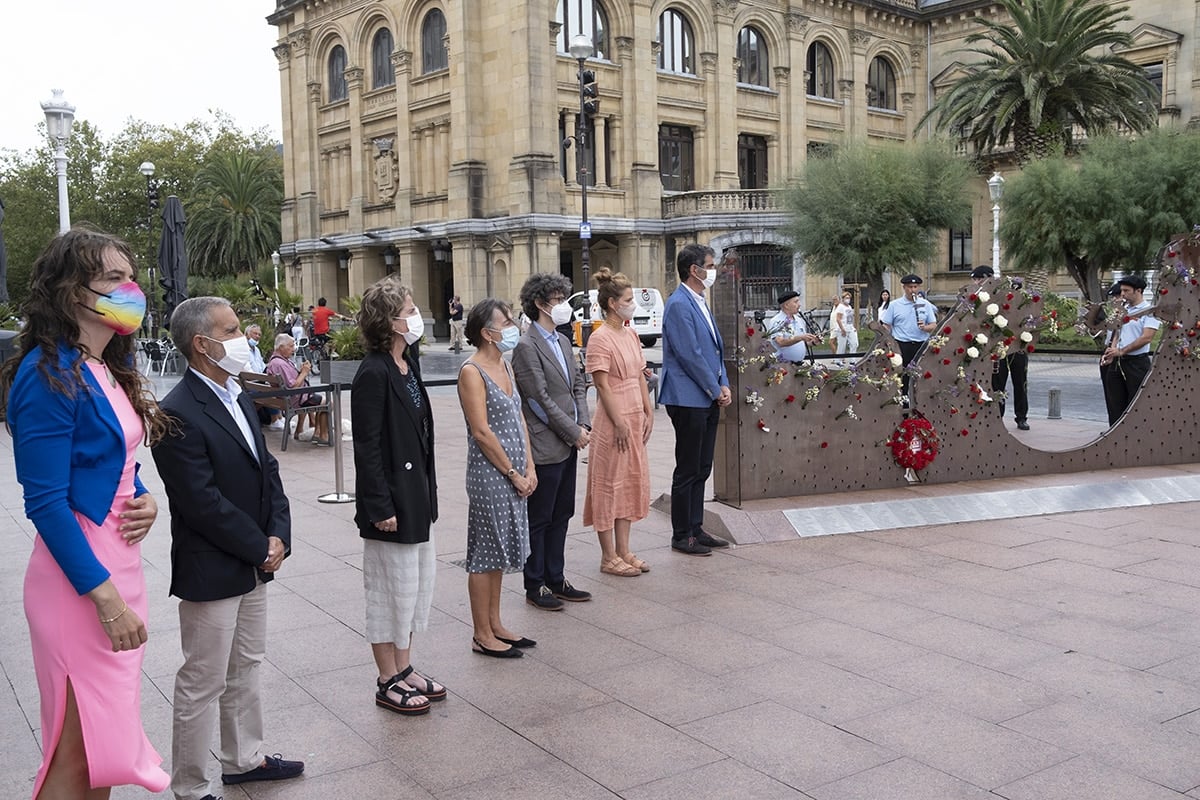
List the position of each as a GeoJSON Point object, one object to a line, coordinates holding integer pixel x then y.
{"type": "Point", "coordinates": [122, 309]}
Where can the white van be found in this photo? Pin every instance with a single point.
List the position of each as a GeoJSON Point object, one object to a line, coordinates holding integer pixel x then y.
{"type": "Point", "coordinates": [647, 319]}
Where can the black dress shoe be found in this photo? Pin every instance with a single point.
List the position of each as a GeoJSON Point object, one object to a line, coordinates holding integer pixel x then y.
{"type": "Point", "coordinates": [1022, 425]}
{"type": "Point", "coordinates": [510, 652]}
{"type": "Point", "coordinates": [523, 642]}
{"type": "Point", "coordinates": [544, 599]}
{"type": "Point", "coordinates": [565, 591]}
{"type": "Point", "coordinates": [690, 547]}
{"type": "Point", "coordinates": [210, 797]}
{"type": "Point", "coordinates": [273, 768]}
{"type": "Point", "coordinates": [706, 539]}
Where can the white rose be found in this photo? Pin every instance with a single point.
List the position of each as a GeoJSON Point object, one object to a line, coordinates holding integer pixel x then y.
{"type": "Point", "coordinates": [1000, 322]}
{"type": "Point", "coordinates": [992, 309]}
{"type": "Point", "coordinates": [973, 352]}
{"type": "Point", "coordinates": [896, 359]}
{"type": "Point", "coordinates": [983, 297]}
{"type": "Point", "coordinates": [980, 338]}
{"type": "Point", "coordinates": [1026, 336]}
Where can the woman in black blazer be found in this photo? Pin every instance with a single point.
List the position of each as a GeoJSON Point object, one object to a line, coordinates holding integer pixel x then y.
{"type": "Point", "coordinates": [395, 493]}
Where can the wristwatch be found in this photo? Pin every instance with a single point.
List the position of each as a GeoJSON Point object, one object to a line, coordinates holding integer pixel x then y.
{"type": "Point", "coordinates": [511, 471]}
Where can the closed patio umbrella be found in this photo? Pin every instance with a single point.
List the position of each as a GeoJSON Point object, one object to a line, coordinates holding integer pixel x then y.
{"type": "Point", "coordinates": [172, 258]}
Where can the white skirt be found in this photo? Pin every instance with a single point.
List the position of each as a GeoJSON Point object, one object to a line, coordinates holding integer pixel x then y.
{"type": "Point", "coordinates": [398, 579]}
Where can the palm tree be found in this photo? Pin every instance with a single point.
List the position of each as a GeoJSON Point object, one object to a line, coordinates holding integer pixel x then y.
{"type": "Point", "coordinates": [1051, 68]}
{"type": "Point", "coordinates": [233, 220]}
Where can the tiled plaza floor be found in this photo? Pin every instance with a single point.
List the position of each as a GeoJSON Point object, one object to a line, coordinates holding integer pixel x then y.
{"type": "Point", "coordinates": [1031, 659]}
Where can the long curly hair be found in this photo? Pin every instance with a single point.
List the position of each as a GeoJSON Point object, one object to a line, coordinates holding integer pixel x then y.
{"type": "Point", "coordinates": [60, 277]}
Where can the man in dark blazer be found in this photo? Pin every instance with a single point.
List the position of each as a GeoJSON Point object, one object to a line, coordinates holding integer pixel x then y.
{"type": "Point", "coordinates": [554, 402]}
{"type": "Point", "coordinates": [695, 387]}
{"type": "Point", "coordinates": [230, 531]}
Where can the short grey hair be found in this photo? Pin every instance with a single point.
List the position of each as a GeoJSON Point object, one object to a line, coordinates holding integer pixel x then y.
{"type": "Point", "coordinates": [282, 339]}
{"type": "Point", "coordinates": [191, 318]}
{"type": "Point", "coordinates": [252, 326]}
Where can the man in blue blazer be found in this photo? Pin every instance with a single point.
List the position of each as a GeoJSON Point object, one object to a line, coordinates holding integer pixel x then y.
{"type": "Point", "coordinates": [694, 388]}
{"type": "Point", "coordinates": [231, 528]}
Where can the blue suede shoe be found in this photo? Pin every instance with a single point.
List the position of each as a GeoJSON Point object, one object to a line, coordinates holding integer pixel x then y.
{"type": "Point", "coordinates": [273, 768]}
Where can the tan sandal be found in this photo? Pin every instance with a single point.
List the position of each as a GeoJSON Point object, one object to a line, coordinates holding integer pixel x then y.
{"type": "Point", "coordinates": [632, 560]}
{"type": "Point", "coordinates": [617, 566]}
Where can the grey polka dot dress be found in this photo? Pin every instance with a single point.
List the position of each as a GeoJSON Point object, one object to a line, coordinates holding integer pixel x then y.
{"type": "Point", "coordinates": [497, 518]}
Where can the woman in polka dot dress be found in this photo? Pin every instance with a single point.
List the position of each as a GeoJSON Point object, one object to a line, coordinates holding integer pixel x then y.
{"type": "Point", "coordinates": [500, 475]}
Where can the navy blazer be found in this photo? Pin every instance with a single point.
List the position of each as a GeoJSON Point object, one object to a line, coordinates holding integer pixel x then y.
{"type": "Point", "coordinates": [69, 453]}
{"type": "Point", "coordinates": [224, 502]}
{"type": "Point", "coordinates": [693, 369]}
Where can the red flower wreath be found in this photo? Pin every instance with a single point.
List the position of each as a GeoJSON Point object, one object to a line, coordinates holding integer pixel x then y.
{"type": "Point", "coordinates": [914, 443]}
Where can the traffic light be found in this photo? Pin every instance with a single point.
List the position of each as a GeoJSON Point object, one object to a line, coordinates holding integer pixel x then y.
{"type": "Point", "coordinates": [589, 92]}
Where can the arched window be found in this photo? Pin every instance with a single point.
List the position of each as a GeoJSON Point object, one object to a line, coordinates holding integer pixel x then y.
{"type": "Point", "coordinates": [382, 73]}
{"type": "Point", "coordinates": [678, 47]}
{"type": "Point", "coordinates": [433, 49]}
{"type": "Point", "coordinates": [881, 84]}
{"type": "Point", "coordinates": [820, 71]}
{"type": "Point", "coordinates": [582, 16]}
{"type": "Point", "coordinates": [754, 67]}
{"type": "Point", "coordinates": [337, 74]}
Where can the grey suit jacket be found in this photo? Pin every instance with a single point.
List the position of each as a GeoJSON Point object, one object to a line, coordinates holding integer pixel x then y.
{"type": "Point", "coordinates": [551, 403]}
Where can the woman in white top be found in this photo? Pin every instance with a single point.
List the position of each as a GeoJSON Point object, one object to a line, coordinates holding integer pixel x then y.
{"type": "Point", "coordinates": [843, 325]}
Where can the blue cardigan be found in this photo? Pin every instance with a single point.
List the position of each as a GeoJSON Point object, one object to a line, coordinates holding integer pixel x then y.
{"type": "Point", "coordinates": [69, 453]}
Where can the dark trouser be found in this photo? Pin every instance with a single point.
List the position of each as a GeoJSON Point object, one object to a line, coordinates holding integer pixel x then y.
{"type": "Point", "coordinates": [1104, 391]}
{"type": "Point", "coordinates": [1124, 378]}
{"type": "Point", "coordinates": [551, 507]}
{"type": "Point", "coordinates": [1018, 364]}
{"type": "Point", "coordinates": [908, 352]}
{"type": "Point", "coordinates": [695, 443]}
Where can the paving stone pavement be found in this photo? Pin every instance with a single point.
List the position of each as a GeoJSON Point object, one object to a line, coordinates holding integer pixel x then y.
{"type": "Point", "coordinates": [1044, 657]}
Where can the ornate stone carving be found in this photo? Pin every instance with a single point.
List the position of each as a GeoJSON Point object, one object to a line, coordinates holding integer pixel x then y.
{"type": "Point", "coordinates": [314, 92]}
{"type": "Point", "coordinates": [624, 46]}
{"type": "Point", "coordinates": [708, 61]}
{"type": "Point", "coordinates": [860, 38]}
{"type": "Point", "coordinates": [846, 87]}
{"type": "Point", "coordinates": [402, 60]}
{"type": "Point", "coordinates": [299, 42]}
{"type": "Point", "coordinates": [782, 74]}
{"type": "Point", "coordinates": [906, 101]}
{"type": "Point", "coordinates": [797, 22]}
{"type": "Point", "coordinates": [283, 53]}
{"type": "Point", "coordinates": [655, 52]}
{"type": "Point", "coordinates": [917, 54]}
{"type": "Point", "coordinates": [724, 7]}
{"type": "Point", "coordinates": [354, 77]}
{"type": "Point", "coordinates": [387, 169]}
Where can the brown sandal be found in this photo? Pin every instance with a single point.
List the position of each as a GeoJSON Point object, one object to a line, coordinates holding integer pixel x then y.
{"type": "Point", "coordinates": [632, 560]}
{"type": "Point", "coordinates": [617, 566]}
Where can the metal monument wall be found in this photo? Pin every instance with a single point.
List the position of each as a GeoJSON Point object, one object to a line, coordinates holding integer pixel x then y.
{"type": "Point", "coordinates": [799, 429]}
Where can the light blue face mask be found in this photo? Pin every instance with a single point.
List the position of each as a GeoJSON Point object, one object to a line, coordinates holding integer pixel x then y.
{"type": "Point", "coordinates": [509, 338]}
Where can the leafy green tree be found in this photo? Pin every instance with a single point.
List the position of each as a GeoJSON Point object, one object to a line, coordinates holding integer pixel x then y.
{"type": "Point", "coordinates": [864, 209]}
{"type": "Point", "coordinates": [1049, 69]}
{"type": "Point", "coordinates": [233, 218]}
{"type": "Point", "coordinates": [1110, 208]}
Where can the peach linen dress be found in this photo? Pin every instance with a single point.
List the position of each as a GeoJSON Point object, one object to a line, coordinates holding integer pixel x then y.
{"type": "Point", "coordinates": [618, 485]}
{"type": "Point", "coordinates": [69, 644]}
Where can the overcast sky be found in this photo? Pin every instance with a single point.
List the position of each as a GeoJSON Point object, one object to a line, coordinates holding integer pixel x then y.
{"type": "Point", "coordinates": [162, 61]}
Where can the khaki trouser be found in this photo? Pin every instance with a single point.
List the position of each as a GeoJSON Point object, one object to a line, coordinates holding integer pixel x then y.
{"type": "Point", "coordinates": [456, 333]}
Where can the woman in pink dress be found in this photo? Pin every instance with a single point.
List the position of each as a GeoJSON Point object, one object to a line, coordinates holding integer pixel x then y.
{"type": "Point", "coordinates": [618, 487]}
{"type": "Point", "coordinates": [77, 411]}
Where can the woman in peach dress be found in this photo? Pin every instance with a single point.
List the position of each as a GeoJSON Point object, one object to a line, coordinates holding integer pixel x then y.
{"type": "Point", "coordinates": [77, 410]}
{"type": "Point", "coordinates": [618, 486]}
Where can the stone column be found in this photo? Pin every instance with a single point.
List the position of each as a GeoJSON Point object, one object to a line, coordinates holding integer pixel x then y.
{"type": "Point", "coordinates": [402, 216]}
{"type": "Point", "coordinates": [783, 149]}
{"type": "Point", "coordinates": [355, 160]}
{"type": "Point", "coordinates": [794, 126]}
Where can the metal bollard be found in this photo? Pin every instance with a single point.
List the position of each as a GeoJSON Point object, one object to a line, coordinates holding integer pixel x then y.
{"type": "Point", "coordinates": [339, 494]}
{"type": "Point", "coordinates": [1055, 411]}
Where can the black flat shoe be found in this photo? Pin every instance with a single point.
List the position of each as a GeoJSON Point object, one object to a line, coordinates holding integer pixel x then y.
{"type": "Point", "coordinates": [690, 547]}
{"type": "Point", "coordinates": [708, 540]}
{"type": "Point", "coordinates": [511, 652]}
{"type": "Point", "coordinates": [522, 642]}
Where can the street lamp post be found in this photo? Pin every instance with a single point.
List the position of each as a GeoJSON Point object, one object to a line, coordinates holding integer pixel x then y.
{"type": "Point", "coordinates": [581, 49]}
{"type": "Point", "coordinates": [996, 190]}
{"type": "Point", "coordinates": [147, 169]}
{"type": "Point", "coordinates": [275, 264]}
{"type": "Point", "coordinates": [59, 116]}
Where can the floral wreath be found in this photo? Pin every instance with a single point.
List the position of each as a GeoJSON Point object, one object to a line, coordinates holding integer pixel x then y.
{"type": "Point", "coordinates": [914, 443]}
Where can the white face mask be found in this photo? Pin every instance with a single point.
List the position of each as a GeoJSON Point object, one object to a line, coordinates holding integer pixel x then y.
{"type": "Point", "coordinates": [626, 312]}
{"type": "Point", "coordinates": [561, 314]}
{"type": "Point", "coordinates": [710, 276]}
{"type": "Point", "coordinates": [237, 354]}
{"type": "Point", "coordinates": [416, 328]}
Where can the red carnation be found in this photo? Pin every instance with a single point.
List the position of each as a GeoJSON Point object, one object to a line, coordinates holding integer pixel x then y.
{"type": "Point", "coordinates": [1037, 298]}
{"type": "Point", "coordinates": [1006, 306]}
{"type": "Point", "coordinates": [973, 414]}
{"type": "Point", "coordinates": [959, 351]}
{"type": "Point", "coordinates": [995, 357]}
{"type": "Point", "coordinates": [953, 410]}
{"type": "Point", "coordinates": [749, 331]}
{"type": "Point", "coordinates": [1029, 349]}
{"type": "Point", "coordinates": [1163, 290]}
{"type": "Point", "coordinates": [1126, 319]}
{"type": "Point", "coordinates": [946, 330]}
{"type": "Point", "coordinates": [1054, 314]}
{"type": "Point", "coordinates": [1191, 334]}
{"type": "Point", "coordinates": [824, 445]}
{"type": "Point", "coordinates": [791, 398]}
{"type": "Point", "coordinates": [928, 375]}
{"type": "Point", "coordinates": [968, 337]}
{"type": "Point", "coordinates": [1008, 296]}
{"type": "Point", "coordinates": [965, 432]}
{"type": "Point", "coordinates": [946, 361]}
{"type": "Point", "coordinates": [936, 350]}
{"type": "Point", "coordinates": [973, 298]}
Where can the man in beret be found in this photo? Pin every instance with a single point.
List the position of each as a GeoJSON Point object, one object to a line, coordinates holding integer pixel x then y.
{"type": "Point", "coordinates": [787, 331]}
{"type": "Point", "coordinates": [1128, 358]}
{"type": "Point", "coordinates": [909, 320]}
{"type": "Point", "coordinates": [1016, 362]}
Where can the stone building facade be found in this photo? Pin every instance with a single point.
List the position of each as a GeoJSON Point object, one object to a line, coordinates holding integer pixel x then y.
{"type": "Point", "coordinates": [427, 137]}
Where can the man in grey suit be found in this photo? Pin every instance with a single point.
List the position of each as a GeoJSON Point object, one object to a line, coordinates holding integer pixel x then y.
{"type": "Point", "coordinates": [554, 400]}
